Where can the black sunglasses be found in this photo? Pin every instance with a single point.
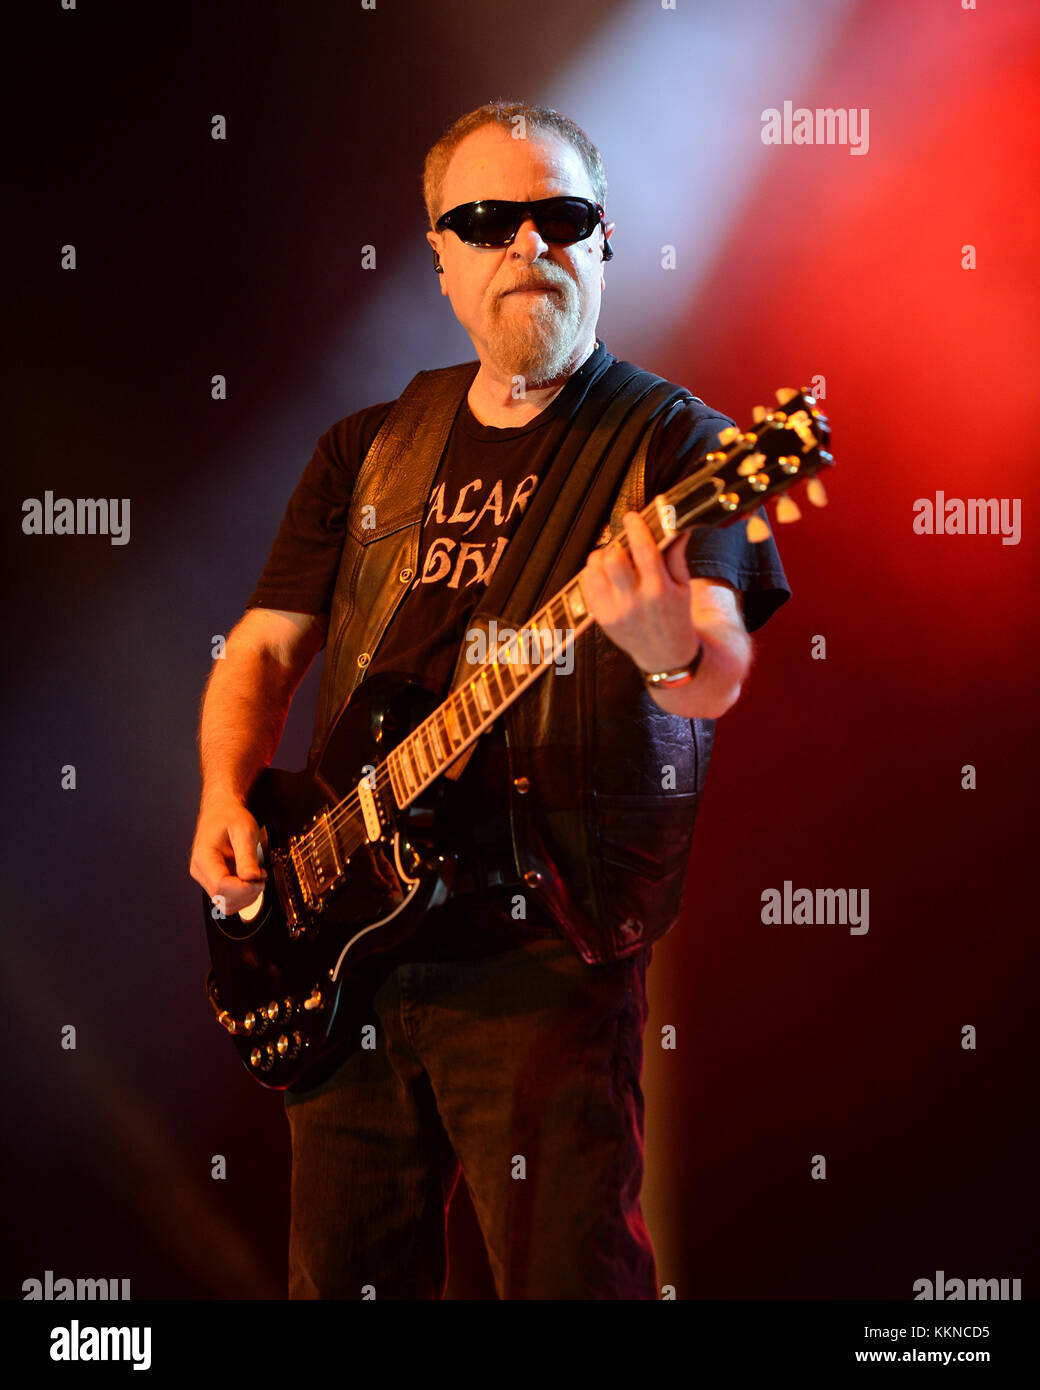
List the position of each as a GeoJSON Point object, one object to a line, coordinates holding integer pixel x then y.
{"type": "Point", "coordinates": [560, 221]}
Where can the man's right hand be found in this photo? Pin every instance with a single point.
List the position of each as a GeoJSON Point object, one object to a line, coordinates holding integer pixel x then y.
{"type": "Point", "coordinates": [223, 854]}
{"type": "Point", "coordinates": [243, 713]}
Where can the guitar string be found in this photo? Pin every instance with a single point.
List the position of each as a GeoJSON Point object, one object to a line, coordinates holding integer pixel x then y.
{"type": "Point", "coordinates": [345, 809]}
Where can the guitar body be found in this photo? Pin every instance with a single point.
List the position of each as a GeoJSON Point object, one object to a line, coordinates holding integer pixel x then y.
{"type": "Point", "coordinates": [285, 979]}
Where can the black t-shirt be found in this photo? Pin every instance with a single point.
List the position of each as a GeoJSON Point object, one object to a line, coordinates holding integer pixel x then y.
{"type": "Point", "coordinates": [486, 478]}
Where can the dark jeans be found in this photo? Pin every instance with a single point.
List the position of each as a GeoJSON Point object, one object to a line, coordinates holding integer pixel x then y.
{"type": "Point", "coordinates": [520, 1067]}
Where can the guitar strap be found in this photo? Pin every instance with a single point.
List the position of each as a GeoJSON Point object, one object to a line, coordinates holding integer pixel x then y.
{"type": "Point", "coordinates": [563, 522]}
{"type": "Point", "coordinates": [609, 432]}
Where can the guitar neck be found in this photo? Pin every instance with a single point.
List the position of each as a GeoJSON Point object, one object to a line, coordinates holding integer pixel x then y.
{"type": "Point", "coordinates": [472, 708]}
{"type": "Point", "coordinates": [782, 447]}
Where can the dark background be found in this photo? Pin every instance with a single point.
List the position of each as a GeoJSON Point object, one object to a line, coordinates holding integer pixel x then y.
{"type": "Point", "coordinates": [243, 257]}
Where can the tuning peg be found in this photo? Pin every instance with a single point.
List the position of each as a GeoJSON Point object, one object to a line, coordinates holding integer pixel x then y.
{"type": "Point", "coordinates": [816, 493]}
{"type": "Point", "coordinates": [785, 394]}
{"type": "Point", "coordinates": [758, 414]}
{"type": "Point", "coordinates": [752, 464]}
{"type": "Point", "coordinates": [787, 509]}
{"type": "Point", "coordinates": [728, 435]}
{"type": "Point", "coordinates": [757, 530]}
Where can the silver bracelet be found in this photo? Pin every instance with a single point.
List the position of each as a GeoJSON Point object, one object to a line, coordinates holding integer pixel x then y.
{"type": "Point", "coordinates": [668, 680]}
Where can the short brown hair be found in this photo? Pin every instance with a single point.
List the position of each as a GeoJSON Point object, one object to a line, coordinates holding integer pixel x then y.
{"type": "Point", "coordinates": [504, 113]}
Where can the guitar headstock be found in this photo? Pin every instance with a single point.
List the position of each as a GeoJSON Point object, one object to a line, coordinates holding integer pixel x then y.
{"type": "Point", "coordinates": [784, 446]}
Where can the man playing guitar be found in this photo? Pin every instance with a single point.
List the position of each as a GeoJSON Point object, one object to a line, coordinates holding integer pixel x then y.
{"type": "Point", "coordinates": [505, 1034]}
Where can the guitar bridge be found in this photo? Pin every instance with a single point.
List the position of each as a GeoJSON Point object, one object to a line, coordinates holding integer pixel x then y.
{"type": "Point", "coordinates": [286, 883]}
{"type": "Point", "coordinates": [319, 861]}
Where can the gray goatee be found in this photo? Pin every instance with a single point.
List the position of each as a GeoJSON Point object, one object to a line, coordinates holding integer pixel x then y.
{"type": "Point", "coordinates": [534, 336]}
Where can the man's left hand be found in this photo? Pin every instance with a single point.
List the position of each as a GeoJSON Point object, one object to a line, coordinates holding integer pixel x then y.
{"type": "Point", "coordinates": [641, 600]}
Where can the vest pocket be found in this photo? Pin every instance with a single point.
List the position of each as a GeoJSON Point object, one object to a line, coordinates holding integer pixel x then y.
{"type": "Point", "coordinates": [644, 847]}
{"type": "Point", "coordinates": [648, 835]}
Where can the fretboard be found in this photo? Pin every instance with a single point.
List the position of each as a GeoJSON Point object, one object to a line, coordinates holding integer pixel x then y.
{"type": "Point", "coordinates": [782, 447]}
{"type": "Point", "coordinates": [473, 706]}
{"type": "Point", "coordinates": [471, 709]}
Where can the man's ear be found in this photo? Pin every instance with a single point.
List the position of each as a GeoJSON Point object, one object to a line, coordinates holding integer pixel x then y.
{"type": "Point", "coordinates": [435, 243]}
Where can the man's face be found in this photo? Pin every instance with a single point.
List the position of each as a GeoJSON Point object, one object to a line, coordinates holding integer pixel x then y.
{"type": "Point", "coordinates": [540, 334]}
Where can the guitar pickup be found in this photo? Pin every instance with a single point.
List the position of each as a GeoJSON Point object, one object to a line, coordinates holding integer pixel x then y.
{"type": "Point", "coordinates": [369, 809]}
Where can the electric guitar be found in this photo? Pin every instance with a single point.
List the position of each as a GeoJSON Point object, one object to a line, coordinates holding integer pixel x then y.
{"type": "Point", "coordinates": [353, 847]}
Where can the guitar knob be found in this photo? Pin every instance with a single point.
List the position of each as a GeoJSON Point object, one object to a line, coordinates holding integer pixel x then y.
{"type": "Point", "coordinates": [282, 1045]}
{"type": "Point", "coordinates": [249, 1023]}
{"type": "Point", "coordinates": [272, 1011]}
{"type": "Point", "coordinates": [260, 1060]}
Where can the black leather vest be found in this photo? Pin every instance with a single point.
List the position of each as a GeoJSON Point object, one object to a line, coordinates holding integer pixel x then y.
{"type": "Point", "coordinates": [604, 785]}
